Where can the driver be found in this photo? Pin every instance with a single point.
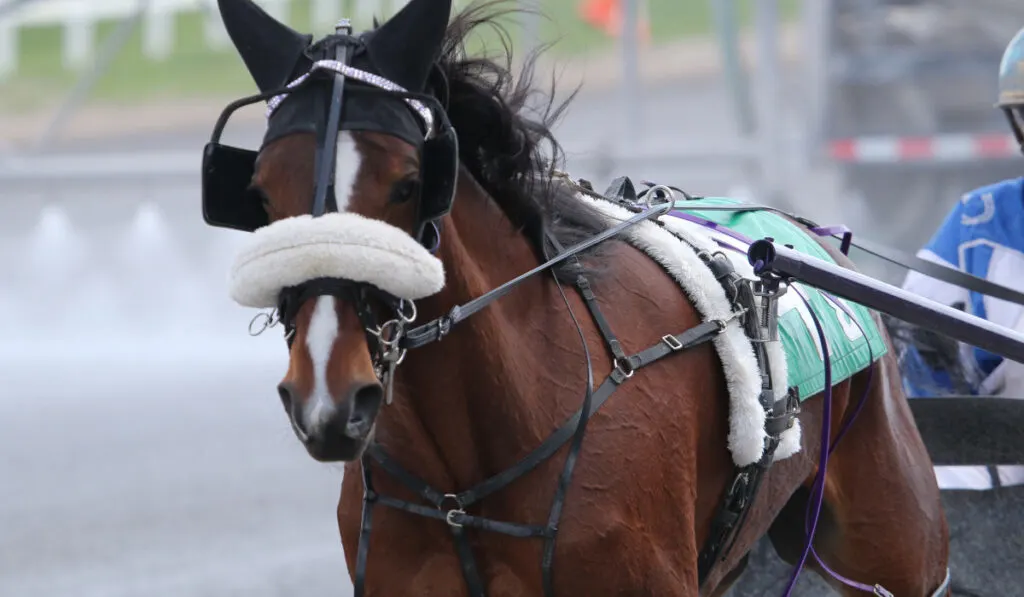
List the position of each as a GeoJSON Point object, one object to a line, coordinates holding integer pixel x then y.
{"type": "Point", "coordinates": [982, 235]}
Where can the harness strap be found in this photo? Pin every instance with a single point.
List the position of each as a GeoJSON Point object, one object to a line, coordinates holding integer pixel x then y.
{"type": "Point", "coordinates": [700, 334]}
{"type": "Point", "coordinates": [325, 149]}
{"type": "Point", "coordinates": [555, 514]}
{"type": "Point", "coordinates": [733, 511]}
{"type": "Point", "coordinates": [438, 328]}
{"type": "Point", "coordinates": [459, 518]}
{"type": "Point", "coordinates": [406, 478]}
{"type": "Point", "coordinates": [366, 525]}
{"type": "Point", "coordinates": [466, 498]}
{"type": "Point", "coordinates": [669, 344]}
{"type": "Point", "coordinates": [583, 285]}
{"type": "Point", "coordinates": [468, 562]}
{"type": "Point", "coordinates": [696, 335]}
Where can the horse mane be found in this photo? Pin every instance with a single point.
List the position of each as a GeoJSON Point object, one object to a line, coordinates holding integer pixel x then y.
{"type": "Point", "coordinates": [513, 156]}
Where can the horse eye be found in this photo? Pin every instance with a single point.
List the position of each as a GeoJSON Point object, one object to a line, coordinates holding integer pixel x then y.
{"type": "Point", "coordinates": [404, 190]}
{"type": "Point", "coordinates": [259, 195]}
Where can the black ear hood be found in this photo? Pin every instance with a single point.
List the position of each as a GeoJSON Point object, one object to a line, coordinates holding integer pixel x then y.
{"type": "Point", "coordinates": [272, 52]}
{"type": "Point", "coordinates": [403, 50]}
{"type": "Point", "coordinates": [406, 46]}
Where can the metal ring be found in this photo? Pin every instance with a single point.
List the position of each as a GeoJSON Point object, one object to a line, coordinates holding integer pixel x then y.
{"type": "Point", "coordinates": [669, 195]}
{"type": "Point", "coordinates": [625, 367]}
{"type": "Point", "coordinates": [452, 497]}
{"type": "Point", "coordinates": [401, 311]}
{"type": "Point", "coordinates": [269, 320]}
{"type": "Point", "coordinates": [390, 333]}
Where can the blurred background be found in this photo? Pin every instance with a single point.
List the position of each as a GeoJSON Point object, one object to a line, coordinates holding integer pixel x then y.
{"type": "Point", "coordinates": [142, 447]}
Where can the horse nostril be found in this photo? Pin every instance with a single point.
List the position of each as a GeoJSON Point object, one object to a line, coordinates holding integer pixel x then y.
{"type": "Point", "coordinates": [285, 391]}
{"type": "Point", "coordinates": [365, 402]}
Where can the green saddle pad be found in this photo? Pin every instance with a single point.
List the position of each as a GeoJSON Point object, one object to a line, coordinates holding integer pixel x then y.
{"type": "Point", "coordinates": [852, 342]}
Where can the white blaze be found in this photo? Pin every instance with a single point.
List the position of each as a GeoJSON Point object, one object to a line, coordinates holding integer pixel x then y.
{"type": "Point", "coordinates": [346, 168]}
{"type": "Point", "coordinates": [323, 331]}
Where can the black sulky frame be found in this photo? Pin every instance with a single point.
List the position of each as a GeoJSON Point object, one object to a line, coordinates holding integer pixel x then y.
{"type": "Point", "coordinates": [772, 260]}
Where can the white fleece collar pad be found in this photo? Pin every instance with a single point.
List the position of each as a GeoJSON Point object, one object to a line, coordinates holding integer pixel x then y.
{"type": "Point", "coordinates": [672, 246]}
{"type": "Point", "coordinates": [347, 246]}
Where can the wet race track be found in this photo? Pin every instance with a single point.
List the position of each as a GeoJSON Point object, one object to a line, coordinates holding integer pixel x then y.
{"type": "Point", "coordinates": [129, 477]}
{"type": "Point", "coordinates": [143, 449]}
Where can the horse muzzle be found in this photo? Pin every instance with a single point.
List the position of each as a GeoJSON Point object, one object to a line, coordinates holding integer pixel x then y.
{"type": "Point", "coordinates": [333, 432]}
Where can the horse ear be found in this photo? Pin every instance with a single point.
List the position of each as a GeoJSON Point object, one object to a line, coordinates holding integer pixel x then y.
{"type": "Point", "coordinates": [270, 49]}
{"type": "Point", "coordinates": [406, 46]}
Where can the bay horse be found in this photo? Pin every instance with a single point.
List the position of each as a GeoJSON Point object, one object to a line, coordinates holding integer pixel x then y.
{"type": "Point", "coordinates": [415, 186]}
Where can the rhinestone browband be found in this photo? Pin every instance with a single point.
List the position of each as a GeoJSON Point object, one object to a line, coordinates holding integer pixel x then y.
{"type": "Point", "coordinates": [359, 75]}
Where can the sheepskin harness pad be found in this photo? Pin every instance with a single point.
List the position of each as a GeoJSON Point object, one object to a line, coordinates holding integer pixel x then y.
{"type": "Point", "coordinates": [362, 261]}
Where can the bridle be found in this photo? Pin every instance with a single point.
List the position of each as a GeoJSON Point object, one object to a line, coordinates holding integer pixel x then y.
{"type": "Point", "coordinates": [381, 339]}
{"type": "Point", "coordinates": [440, 156]}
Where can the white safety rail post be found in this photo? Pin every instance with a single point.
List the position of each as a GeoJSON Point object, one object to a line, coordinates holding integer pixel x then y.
{"type": "Point", "coordinates": [79, 36]}
{"type": "Point", "coordinates": [158, 30]}
{"type": "Point", "coordinates": [8, 47]}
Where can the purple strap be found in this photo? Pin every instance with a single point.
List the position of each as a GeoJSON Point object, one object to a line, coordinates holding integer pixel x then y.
{"type": "Point", "coordinates": [710, 224]}
{"type": "Point", "coordinates": [818, 488]}
{"type": "Point", "coordinates": [844, 246]}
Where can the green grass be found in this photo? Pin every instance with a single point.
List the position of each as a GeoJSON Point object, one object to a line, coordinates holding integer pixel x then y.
{"type": "Point", "coordinates": [195, 70]}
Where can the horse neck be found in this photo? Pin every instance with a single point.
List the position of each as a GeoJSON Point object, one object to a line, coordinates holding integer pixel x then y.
{"type": "Point", "coordinates": [472, 399]}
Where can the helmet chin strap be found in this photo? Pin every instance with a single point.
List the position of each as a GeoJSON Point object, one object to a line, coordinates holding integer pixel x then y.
{"type": "Point", "coordinates": [1015, 116]}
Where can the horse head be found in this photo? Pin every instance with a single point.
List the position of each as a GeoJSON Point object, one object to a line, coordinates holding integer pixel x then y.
{"type": "Point", "coordinates": [357, 166]}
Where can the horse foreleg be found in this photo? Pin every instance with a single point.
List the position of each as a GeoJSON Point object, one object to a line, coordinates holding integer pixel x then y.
{"type": "Point", "coordinates": [730, 578]}
{"type": "Point", "coordinates": [883, 522]}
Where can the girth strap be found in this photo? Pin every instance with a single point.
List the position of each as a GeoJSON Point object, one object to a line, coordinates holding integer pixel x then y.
{"type": "Point", "coordinates": [458, 518]}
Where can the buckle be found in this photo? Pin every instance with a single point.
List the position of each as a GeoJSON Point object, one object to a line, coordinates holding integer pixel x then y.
{"type": "Point", "coordinates": [733, 315]}
{"type": "Point", "coordinates": [625, 367]}
{"type": "Point", "coordinates": [444, 325]}
{"type": "Point", "coordinates": [672, 342]}
{"type": "Point", "coordinates": [793, 402]}
{"type": "Point", "coordinates": [451, 515]}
